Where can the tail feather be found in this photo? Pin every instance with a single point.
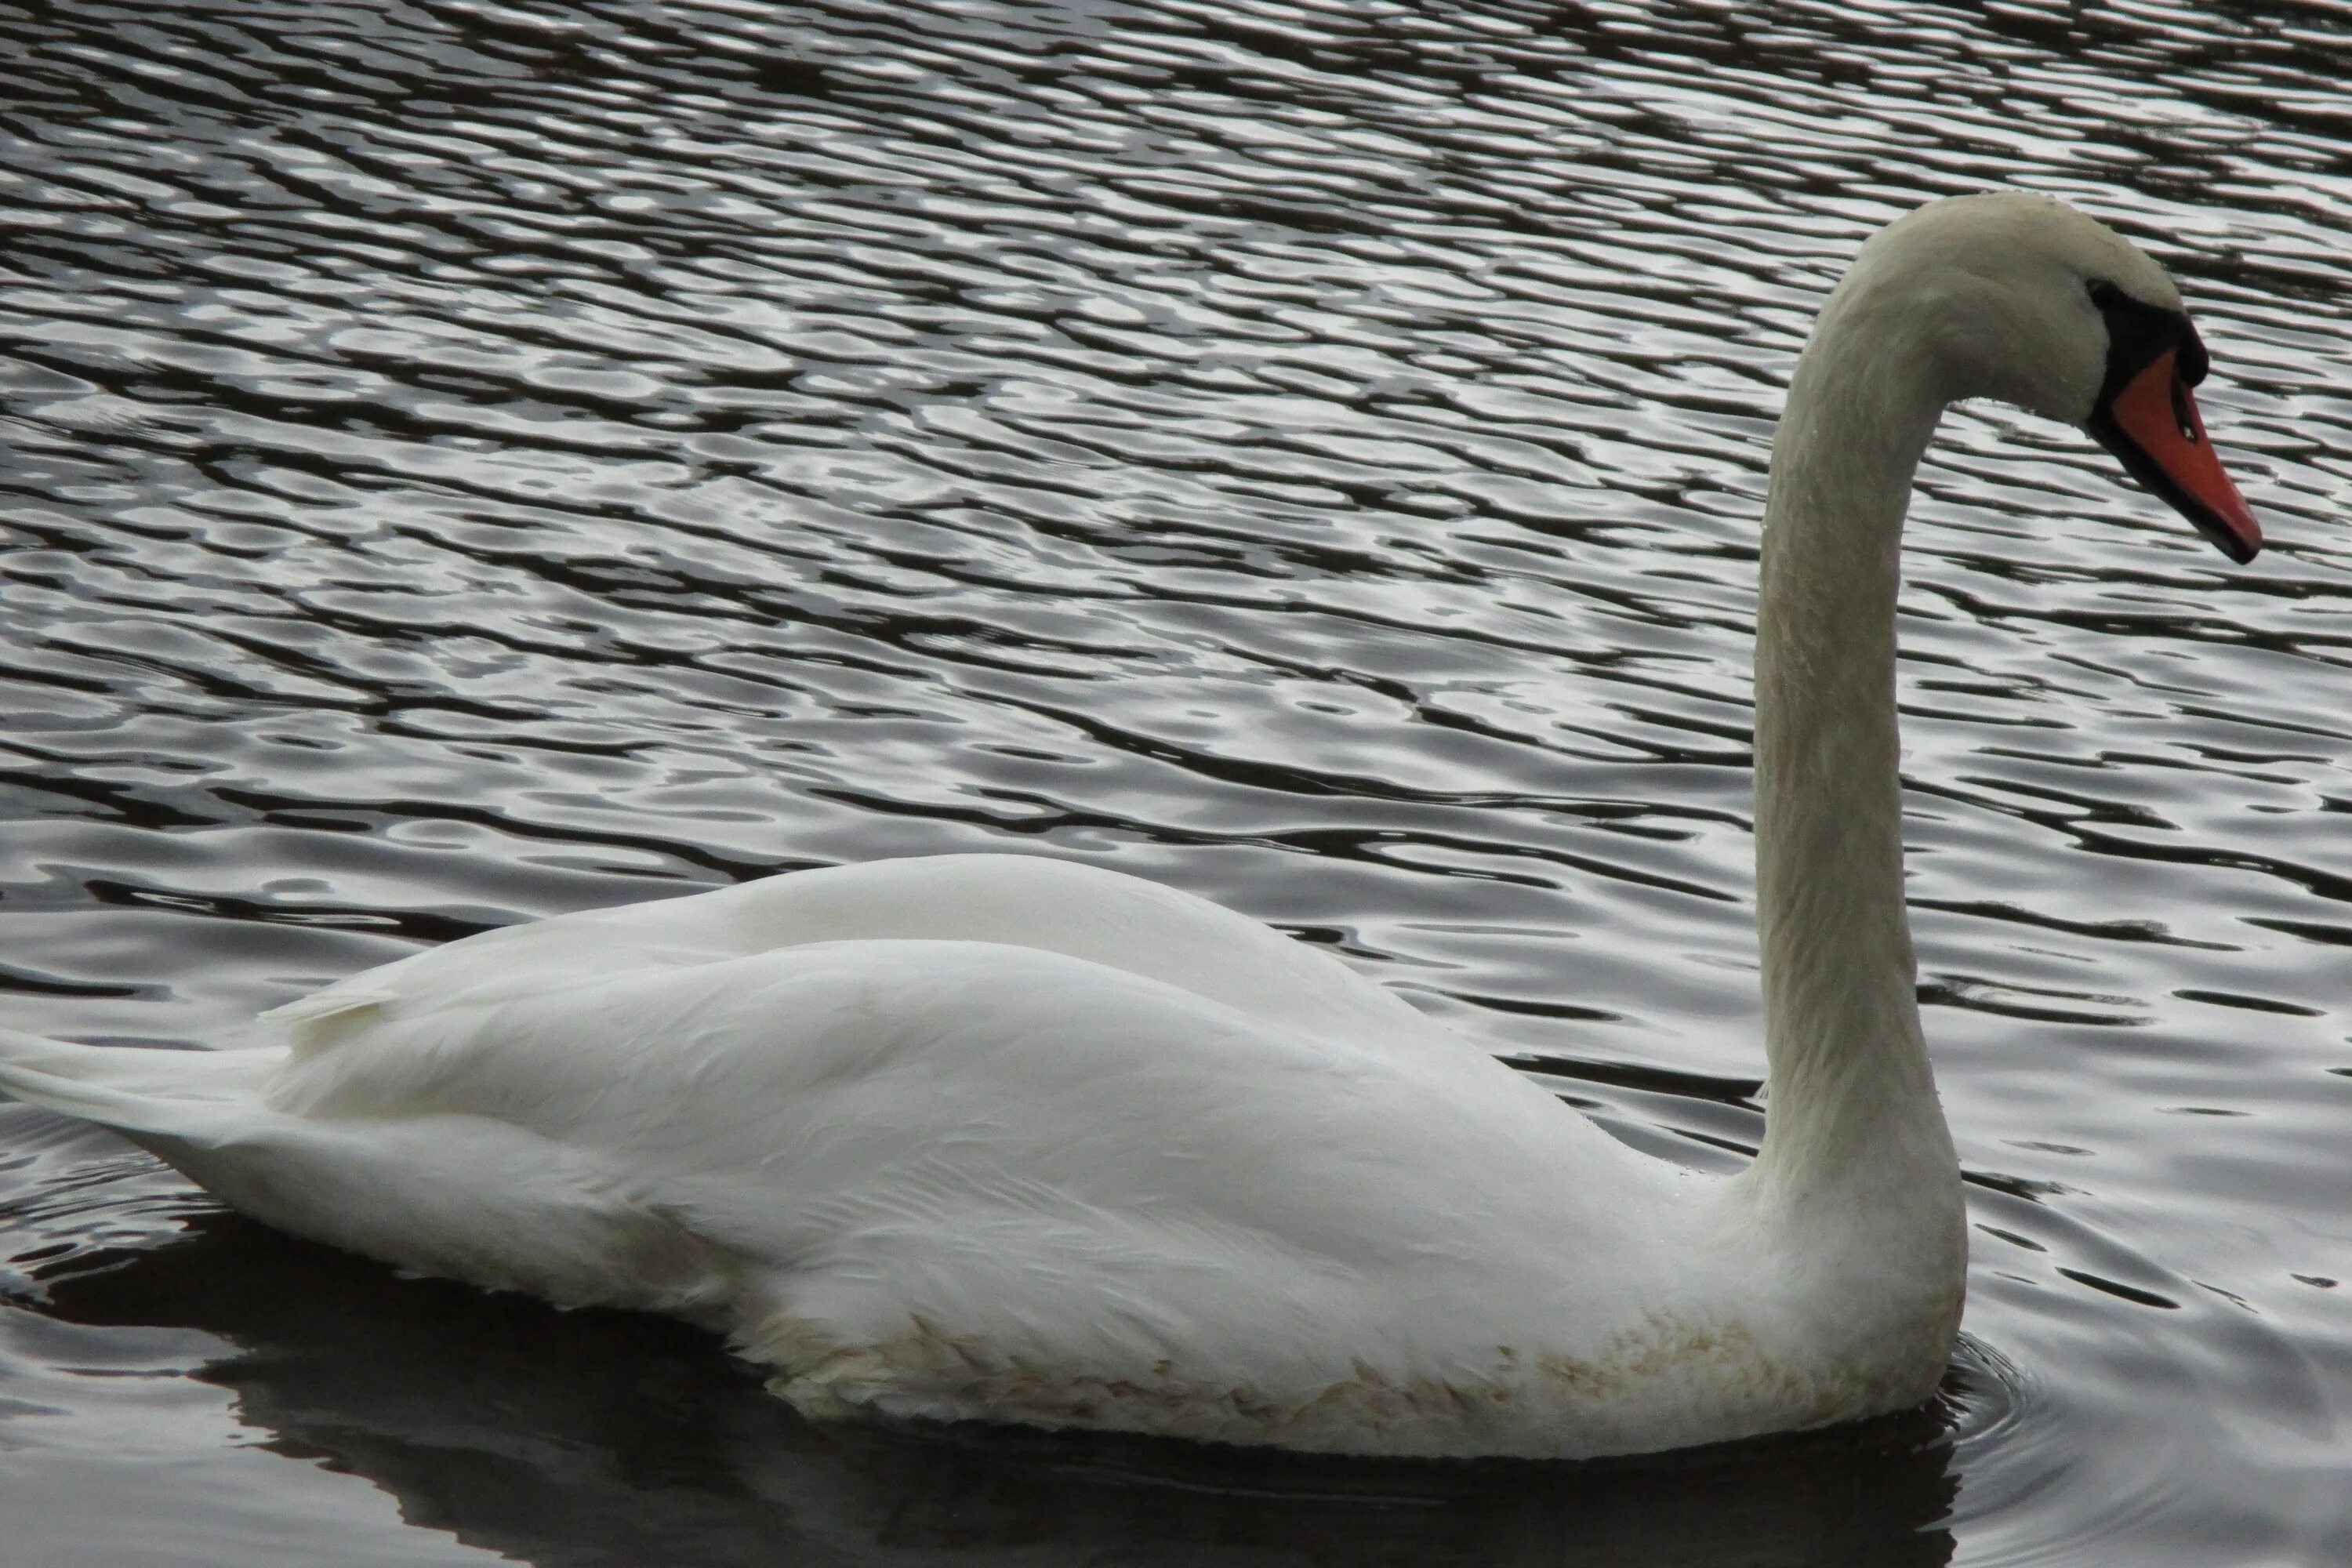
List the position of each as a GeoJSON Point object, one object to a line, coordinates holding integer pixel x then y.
{"type": "Point", "coordinates": [144, 1091]}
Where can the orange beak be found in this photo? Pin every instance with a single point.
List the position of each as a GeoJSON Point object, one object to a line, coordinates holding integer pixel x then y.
{"type": "Point", "coordinates": [2152, 424]}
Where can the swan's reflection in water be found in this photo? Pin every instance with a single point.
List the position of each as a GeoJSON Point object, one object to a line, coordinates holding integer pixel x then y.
{"type": "Point", "coordinates": [579, 1438]}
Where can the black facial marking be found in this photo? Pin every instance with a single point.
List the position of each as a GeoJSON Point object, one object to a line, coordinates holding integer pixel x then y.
{"type": "Point", "coordinates": [2137, 332]}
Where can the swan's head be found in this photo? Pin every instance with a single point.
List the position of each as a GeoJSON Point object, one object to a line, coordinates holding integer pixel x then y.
{"type": "Point", "coordinates": [2025, 299]}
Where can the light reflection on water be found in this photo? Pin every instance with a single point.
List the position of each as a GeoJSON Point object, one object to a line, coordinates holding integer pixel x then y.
{"type": "Point", "coordinates": [469, 461]}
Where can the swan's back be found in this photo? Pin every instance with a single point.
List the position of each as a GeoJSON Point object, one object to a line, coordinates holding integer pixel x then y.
{"type": "Point", "coordinates": [1017, 901]}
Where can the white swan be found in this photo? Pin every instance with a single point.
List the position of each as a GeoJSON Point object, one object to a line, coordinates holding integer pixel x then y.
{"type": "Point", "coordinates": [1008, 1138]}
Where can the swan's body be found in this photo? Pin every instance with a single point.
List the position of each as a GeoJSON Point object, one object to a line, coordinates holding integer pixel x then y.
{"type": "Point", "coordinates": [1002, 1137]}
{"type": "Point", "coordinates": [1250, 1195]}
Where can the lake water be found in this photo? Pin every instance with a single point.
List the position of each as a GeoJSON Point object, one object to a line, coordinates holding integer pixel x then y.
{"type": "Point", "coordinates": [467, 461]}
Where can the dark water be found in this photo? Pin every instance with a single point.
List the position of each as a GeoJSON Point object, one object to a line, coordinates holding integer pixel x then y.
{"type": "Point", "coordinates": [469, 461]}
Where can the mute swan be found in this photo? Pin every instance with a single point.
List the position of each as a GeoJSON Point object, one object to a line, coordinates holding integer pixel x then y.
{"type": "Point", "coordinates": [1011, 1138]}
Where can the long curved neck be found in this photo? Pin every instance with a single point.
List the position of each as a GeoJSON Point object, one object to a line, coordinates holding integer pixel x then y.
{"type": "Point", "coordinates": [1852, 1118]}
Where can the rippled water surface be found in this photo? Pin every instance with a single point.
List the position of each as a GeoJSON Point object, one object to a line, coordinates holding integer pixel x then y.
{"type": "Point", "coordinates": [469, 461]}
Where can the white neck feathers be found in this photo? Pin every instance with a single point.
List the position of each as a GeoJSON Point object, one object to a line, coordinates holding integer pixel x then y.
{"type": "Point", "coordinates": [1853, 1121]}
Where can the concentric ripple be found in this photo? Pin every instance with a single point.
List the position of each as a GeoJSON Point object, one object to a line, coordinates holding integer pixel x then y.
{"type": "Point", "coordinates": [467, 461]}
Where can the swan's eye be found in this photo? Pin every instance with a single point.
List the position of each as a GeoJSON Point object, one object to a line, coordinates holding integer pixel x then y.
{"type": "Point", "coordinates": [2101, 292]}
